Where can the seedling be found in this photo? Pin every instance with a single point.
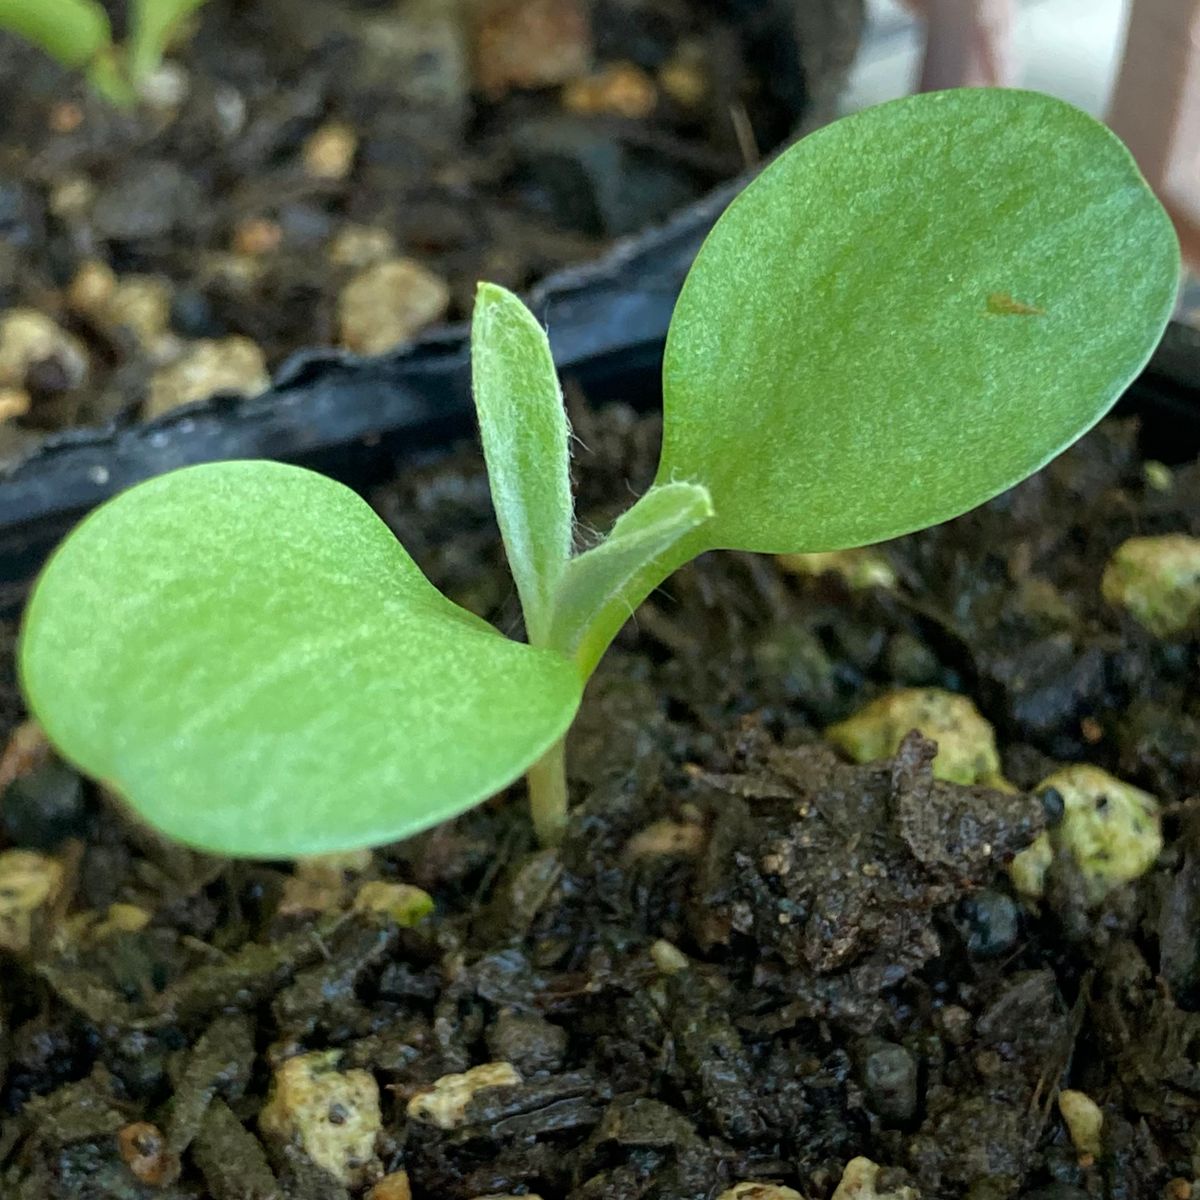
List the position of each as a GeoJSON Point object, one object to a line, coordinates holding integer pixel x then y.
{"type": "Point", "coordinates": [908, 312]}
{"type": "Point", "coordinates": [78, 34]}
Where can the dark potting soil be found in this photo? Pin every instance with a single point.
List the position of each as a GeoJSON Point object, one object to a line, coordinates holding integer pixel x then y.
{"type": "Point", "coordinates": [750, 960]}
{"type": "Point", "coordinates": [308, 173]}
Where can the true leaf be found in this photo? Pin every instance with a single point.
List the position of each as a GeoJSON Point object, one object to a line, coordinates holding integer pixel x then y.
{"type": "Point", "coordinates": [911, 310]}
{"type": "Point", "coordinates": [246, 654]}
{"type": "Point", "coordinates": [526, 443]}
{"type": "Point", "coordinates": [602, 586]}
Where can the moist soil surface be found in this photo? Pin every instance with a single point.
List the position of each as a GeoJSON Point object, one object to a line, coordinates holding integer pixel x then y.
{"type": "Point", "coordinates": [751, 960]}
{"type": "Point", "coordinates": [307, 173]}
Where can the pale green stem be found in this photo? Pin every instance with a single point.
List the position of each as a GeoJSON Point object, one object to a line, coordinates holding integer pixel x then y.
{"type": "Point", "coordinates": [604, 588]}
{"type": "Point", "coordinates": [106, 77]}
{"type": "Point", "coordinates": [547, 780]}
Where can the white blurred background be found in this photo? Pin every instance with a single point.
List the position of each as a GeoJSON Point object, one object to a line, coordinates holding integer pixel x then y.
{"type": "Point", "coordinates": [1068, 48]}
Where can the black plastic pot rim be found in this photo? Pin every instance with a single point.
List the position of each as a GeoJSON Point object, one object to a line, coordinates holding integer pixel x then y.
{"type": "Point", "coordinates": [607, 323]}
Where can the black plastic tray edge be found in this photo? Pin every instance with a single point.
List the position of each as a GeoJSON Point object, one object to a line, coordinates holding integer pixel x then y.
{"type": "Point", "coordinates": [607, 322]}
{"type": "Point", "coordinates": [324, 398]}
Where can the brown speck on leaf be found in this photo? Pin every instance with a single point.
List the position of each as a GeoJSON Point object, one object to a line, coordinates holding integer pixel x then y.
{"type": "Point", "coordinates": [1001, 304]}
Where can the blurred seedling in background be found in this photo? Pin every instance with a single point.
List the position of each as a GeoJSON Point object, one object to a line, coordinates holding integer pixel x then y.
{"type": "Point", "coordinates": [79, 34]}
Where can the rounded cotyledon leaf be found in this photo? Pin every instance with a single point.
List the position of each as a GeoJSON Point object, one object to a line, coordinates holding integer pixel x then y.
{"type": "Point", "coordinates": [909, 311]}
{"type": "Point", "coordinates": [247, 655]}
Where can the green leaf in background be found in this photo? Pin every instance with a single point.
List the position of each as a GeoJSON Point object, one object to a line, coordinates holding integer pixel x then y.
{"type": "Point", "coordinates": [911, 310]}
{"type": "Point", "coordinates": [246, 654]}
{"type": "Point", "coordinates": [603, 586]}
{"type": "Point", "coordinates": [526, 443]}
{"type": "Point", "coordinates": [72, 31]}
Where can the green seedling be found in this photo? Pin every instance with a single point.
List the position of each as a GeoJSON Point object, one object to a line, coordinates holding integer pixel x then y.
{"type": "Point", "coordinates": [908, 312]}
{"type": "Point", "coordinates": [78, 34]}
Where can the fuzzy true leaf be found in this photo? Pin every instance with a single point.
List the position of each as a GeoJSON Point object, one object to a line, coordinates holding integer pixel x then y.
{"type": "Point", "coordinates": [911, 310]}
{"type": "Point", "coordinates": [526, 443]}
{"type": "Point", "coordinates": [246, 653]}
{"type": "Point", "coordinates": [602, 587]}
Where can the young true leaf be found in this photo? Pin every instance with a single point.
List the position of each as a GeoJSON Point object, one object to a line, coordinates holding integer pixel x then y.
{"type": "Point", "coordinates": [602, 586]}
{"type": "Point", "coordinates": [912, 309]}
{"type": "Point", "coordinates": [246, 654]}
{"type": "Point", "coordinates": [526, 443]}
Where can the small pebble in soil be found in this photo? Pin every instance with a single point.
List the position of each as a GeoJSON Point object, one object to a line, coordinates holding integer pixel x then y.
{"type": "Point", "coordinates": [955, 1024]}
{"type": "Point", "coordinates": [140, 304]}
{"type": "Point", "coordinates": [28, 882]}
{"type": "Point", "coordinates": [530, 1042]}
{"type": "Point", "coordinates": [233, 365]}
{"type": "Point", "coordinates": [14, 403]}
{"type": "Point", "coordinates": [332, 1115]}
{"type": "Point", "coordinates": [166, 87]}
{"type": "Point", "coordinates": [1158, 476]}
{"type": "Point", "coordinates": [909, 660]}
{"type": "Point", "coordinates": [889, 1074]}
{"type": "Point", "coordinates": [358, 246]}
{"type": "Point", "coordinates": [120, 918]}
{"type": "Point", "coordinates": [149, 199]}
{"type": "Point", "coordinates": [389, 303]}
{"type": "Point", "coordinates": [193, 316]}
{"type": "Point", "coordinates": [860, 1181]}
{"type": "Point", "coordinates": [401, 903]}
{"type": "Point", "coordinates": [329, 151]}
{"type": "Point", "coordinates": [65, 117]}
{"type": "Point", "coordinates": [990, 923]}
{"type": "Point", "coordinates": [966, 742]}
{"type": "Point", "coordinates": [1053, 805]}
{"type": "Point", "coordinates": [1157, 581]}
{"type": "Point", "coordinates": [444, 1103]}
{"type": "Point", "coordinates": [26, 749]}
{"type": "Point", "coordinates": [44, 807]}
{"type": "Point", "coordinates": [1084, 1121]}
{"type": "Point", "coordinates": [529, 43]}
{"type": "Point", "coordinates": [571, 168]}
{"type": "Point", "coordinates": [71, 198]}
{"type": "Point", "coordinates": [665, 837]}
{"type": "Point", "coordinates": [1029, 868]}
{"type": "Point", "coordinates": [791, 660]}
{"type": "Point", "coordinates": [509, 1196]}
{"type": "Point", "coordinates": [239, 274]}
{"type": "Point", "coordinates": [255, 237]}
{"type": "Point", "coordinates": [687, 75]}
{"type": "Point", "coordinates": [862, 568]}
{"type": "Point", "coordinates": [144, 1151]}
{"type": "Point", "coordinates": [31, 340]}
{"type": "Point", "coordinates": [620, 89]}
{"type": "Point", "coordinates": [1056, 1191]}
{"type": "Point", "coordinates": [392, 1187]}
{"type": "Point", "coordinates": [668, 958]}
{"type": "Point", "coordinates": [416, 53]}
{"type": "Point", "coordinates": [91, 287]}
{"type": "Point", "coordinates": [1111, 830]}
{"type": "Point", "coordinates": [760, 1191]}
{"type": "Point", "coordinates": [321, 882]}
